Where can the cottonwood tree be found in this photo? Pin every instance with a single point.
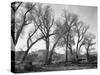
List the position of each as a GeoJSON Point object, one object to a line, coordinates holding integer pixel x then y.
{"type": "Point", "coordinates": [44, 20]}
{"type": "Point", "coordinates": [26, 19]}
{"type": "Point", "coordinates": [30, 42]}
{"type": "Point", "coordinates": [88, 42]}
{"type": "Point", "coordinates": [60, 31]}
{"type": "Point", "coordinates": [70, 20]}
{"type": "Point", "coordinates": [81, 29]}
{"type": "Point", "coordinates": [65, 33]}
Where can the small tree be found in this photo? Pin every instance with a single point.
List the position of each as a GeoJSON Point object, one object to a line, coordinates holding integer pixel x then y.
{"type": "Point", "coordinates": [88, 42]}
{"type": "Point", "coordinates": [81, 30]}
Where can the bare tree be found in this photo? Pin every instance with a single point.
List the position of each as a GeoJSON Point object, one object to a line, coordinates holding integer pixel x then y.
{"type": "Point", "coordinates": [45, 20]}
{"type": "Point", "coordinates": [70, 20]}
{"type": "Point", "coordinates": [30, 42]}
{"type": "Point", "coordinates": [60, 31]}
{"type": "Point", "coordinates": [64, 33]}
{"type": "Point", "coordinates": [81, 30]}
{"type": "Point", "coordinates": [88, 42]}
{"type": "Point", "coordinates": [26, 18]}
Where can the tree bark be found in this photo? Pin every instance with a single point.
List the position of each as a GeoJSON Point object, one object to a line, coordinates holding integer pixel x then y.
{"type": "Point", "coordinates": [47, 46]}
{"type": "Point", "coordinates": [47, 50]}
{"type": "Point", "coordinates": [77, 49]}
{"type": "Point", "coordinates": [67, 51]}
{"type": "Point", "coordinates": [67, 47]}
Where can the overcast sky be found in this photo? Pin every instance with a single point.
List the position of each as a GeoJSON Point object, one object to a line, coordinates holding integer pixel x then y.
{"type": "Point", "coordinates": [88, 14]}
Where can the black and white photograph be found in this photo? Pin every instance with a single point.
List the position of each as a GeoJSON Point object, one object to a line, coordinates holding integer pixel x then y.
{"type": "Point", "coordinates": [53, 37]}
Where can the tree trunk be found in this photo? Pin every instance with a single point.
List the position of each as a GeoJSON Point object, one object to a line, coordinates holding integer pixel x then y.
{"type": "Point", "coordinates": [67, 48]}
{"type": "Point", "coordinates": [70, 47]}
{"type": "Point", "coordinates": [47, 51]}
{"type": "Point", "coordinates": [13, 33]}
{"type": "Point", "coordinates": [50, 57]}
{"type": "Point", "coordinates": [52, 50]}
{"type": "Point", "coordinates": [87, 53]}
{"type": "Point", "coordinates": [80, 48]}
{"type": "Point", "coordinates": [26, 52]}
{"type": "Point", "coordinates": [77, 50]}
{"type": "Point", "coordinates": [67, 51]}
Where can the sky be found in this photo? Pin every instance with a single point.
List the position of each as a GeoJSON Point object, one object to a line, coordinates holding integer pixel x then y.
{"type": "Point", "coordinates": [88, 14]}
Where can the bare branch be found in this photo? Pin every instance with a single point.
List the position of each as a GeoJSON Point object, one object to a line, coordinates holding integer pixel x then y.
{"type": "Point", "coordinates": [18, 6]}
{"type": "Point", "coordinates": [83, 32]}
{"type": "Point", "coordinates": [23, 24]}
{"type": "Point", "coordinates": [52, 23]}
{"type": "Point", "coordinates": [30, 36]}
{"type": "Point", "coordinates": [13, 6]}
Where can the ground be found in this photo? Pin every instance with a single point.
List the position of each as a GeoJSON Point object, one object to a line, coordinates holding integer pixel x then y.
{"type": "Point", "coordinates": [53, 67]}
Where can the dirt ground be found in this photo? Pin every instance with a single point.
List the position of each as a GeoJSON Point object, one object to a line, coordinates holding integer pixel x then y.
{"type": "Point", "coordinates": [53, 67]}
